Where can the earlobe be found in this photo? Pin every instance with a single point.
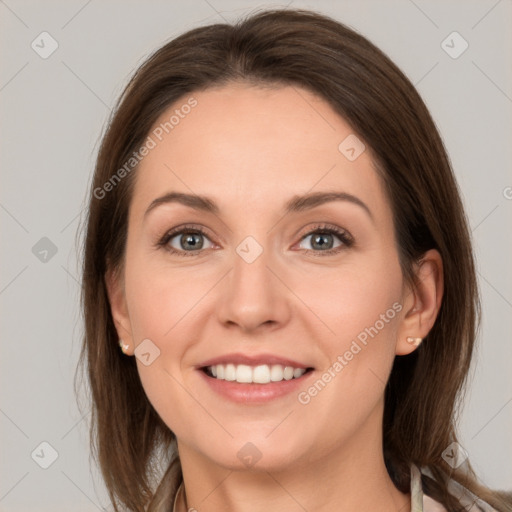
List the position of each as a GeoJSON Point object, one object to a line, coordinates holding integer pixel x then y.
{"type": "Point", "coordinates": [422, 303]}
{"type": "Point", "coordinates": [119, 310]}
{"type": "Point", "coordinates": [125, 347]}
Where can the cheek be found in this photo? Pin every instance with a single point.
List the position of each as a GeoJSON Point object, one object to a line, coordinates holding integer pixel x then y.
{"type": "Point", "coordinates": [349, 389]}
{"type": "Point", "coordinates": [361, 310]}
{"type": "Point", "coordinates": [161, 297]}
{"type": "Point", "coordinates": [368, 311]}
{"type": "Point", "coordinates": [356, 300]}
{"type": "Point", "coordinates": [161, 303]}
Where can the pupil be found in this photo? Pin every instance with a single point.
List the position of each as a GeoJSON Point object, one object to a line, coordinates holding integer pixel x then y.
{"type": "Point", "coordinates": [192, 240]}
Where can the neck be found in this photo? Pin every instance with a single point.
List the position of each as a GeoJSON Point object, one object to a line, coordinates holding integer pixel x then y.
{"type": "Point", "coordinates": [349, 477]}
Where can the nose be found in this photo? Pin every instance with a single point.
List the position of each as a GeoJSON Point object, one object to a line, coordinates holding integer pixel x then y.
{"type": "Point", "coordinates": [254, 296]}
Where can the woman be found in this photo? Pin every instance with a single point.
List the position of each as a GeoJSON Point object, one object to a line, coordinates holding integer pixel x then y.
{"type": "Point", "coordinates": [276, 241]}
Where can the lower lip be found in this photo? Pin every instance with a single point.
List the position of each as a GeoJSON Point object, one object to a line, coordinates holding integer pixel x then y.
{"type": "Point", "coordinates": [254, 393]}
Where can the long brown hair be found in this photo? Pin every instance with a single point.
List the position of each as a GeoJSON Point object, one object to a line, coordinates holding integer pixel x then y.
{"type": "Point", "coordinates": [135, 449]}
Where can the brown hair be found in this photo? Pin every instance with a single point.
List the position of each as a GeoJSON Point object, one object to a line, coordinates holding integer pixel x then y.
{"type": "Point", "coordinates": [302, 48]}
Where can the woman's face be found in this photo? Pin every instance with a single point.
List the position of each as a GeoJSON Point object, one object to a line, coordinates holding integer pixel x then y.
{"type": "Point", "coordinates": [259, 281]}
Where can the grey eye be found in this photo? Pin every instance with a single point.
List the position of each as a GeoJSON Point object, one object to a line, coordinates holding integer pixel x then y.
{"type": "Point", "coordinates": [321, 241]}
{"type": "Point", "coordinates": [188, 241]}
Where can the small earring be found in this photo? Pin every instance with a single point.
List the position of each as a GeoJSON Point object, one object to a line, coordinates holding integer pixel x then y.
{"type": "Point", "coordinates": [124, 347]}
{"type": "Point", "coordinates": [414, 341]}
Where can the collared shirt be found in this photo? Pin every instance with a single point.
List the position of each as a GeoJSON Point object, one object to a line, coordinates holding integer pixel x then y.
{"type": "Point", "coordinates": [420, 502]}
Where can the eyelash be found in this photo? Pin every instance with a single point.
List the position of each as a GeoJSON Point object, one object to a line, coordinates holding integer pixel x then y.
{"type": "Point", "coordinates": [324, 229]}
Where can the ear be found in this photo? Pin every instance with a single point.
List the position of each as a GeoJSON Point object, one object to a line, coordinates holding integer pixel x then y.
{"type": "Point", "coordinates": [115, 289]}
{"type": "Point", "coordinates": [422, 302]}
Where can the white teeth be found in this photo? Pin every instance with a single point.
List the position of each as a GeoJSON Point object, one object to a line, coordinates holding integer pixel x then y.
{"type": "Point", "coordinates": [230, 372]}
{"type": "Point", "coordinates": [261, 374]}
{"type": "Point", "coordinates": [243, 373]}
{"type": "Point", "coordinates": [288, 373]}
{"type": "Point", "coordinates": [276, 373]}
{"type": "Point", "coordinates": [297, 372]}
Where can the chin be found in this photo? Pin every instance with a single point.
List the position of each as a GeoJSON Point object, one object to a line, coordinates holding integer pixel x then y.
{"type": "Point", "coordinates": [257, 453]}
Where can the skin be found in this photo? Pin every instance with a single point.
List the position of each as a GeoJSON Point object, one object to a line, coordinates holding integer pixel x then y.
{"type": "Point", "coordinates": [250, 150]}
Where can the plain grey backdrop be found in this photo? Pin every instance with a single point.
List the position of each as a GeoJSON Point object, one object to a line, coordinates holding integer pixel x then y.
{"type": "Point", "coordinates": [63, 65]}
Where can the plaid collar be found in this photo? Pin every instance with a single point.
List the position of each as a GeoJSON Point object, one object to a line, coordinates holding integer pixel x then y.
{"type": "Point", "coordinates": [420, 502]}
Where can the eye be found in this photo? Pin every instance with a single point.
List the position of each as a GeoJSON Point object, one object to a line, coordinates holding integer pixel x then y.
{"type": "Point", "coordinates": [327, 240]}
{"type": "Point", "coordinates": [190, 240]}
{"type": "Point", "coordinates": [185, 239]}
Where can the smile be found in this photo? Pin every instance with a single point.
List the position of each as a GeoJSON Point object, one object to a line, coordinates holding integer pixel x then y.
{"type": "Point", "coordinates": [261, 374]}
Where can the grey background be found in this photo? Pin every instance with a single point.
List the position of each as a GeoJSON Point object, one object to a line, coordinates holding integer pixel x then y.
{"type": "Point", "coordinates": [53, 111]}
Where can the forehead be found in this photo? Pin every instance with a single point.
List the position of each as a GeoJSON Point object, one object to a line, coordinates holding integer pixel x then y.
{"type": "Point", "coordinates": [255, 146]}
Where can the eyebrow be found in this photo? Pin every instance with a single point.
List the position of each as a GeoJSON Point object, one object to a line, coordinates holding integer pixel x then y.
{"type": "Point", "coordinates": [295, 204]}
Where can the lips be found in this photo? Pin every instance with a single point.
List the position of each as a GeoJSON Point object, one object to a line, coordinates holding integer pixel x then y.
{"type": "Point", "coordinates": [254, 360]}
{"type": "Point", "coordinates": [254, 379]}
{"type": "Point", "coordinates": [261, 369]}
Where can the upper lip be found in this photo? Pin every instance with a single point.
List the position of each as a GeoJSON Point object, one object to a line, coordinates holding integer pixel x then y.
{"type": "Point", "coordinates": [253, 360]}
